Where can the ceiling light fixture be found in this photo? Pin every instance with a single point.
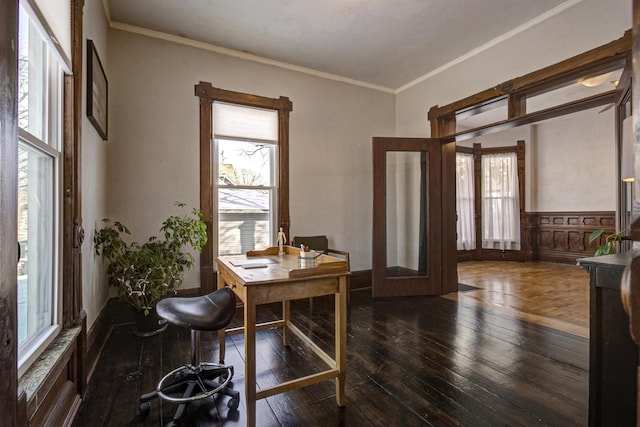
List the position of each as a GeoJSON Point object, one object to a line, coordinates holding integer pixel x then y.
{"type": "Point", "coordinates": [597, 80]}
{"type": "Point", "coordinates": [594, 81]}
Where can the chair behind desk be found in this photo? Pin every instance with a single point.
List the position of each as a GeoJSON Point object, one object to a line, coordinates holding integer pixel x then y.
{"type": "Point", "coordinates": [321, 244]}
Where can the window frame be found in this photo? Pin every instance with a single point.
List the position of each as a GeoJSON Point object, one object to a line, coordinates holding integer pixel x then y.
{"type": "Point", "coordinates": [55, 67]}
{"type": "Point", "coordinates": [480, 253]}
{"type": "Point", "coordinates": [272, 188]}
{"type": "Point", "coordinates": [488, 198]}
{"type": "Point", "coordinates": [207, 94]}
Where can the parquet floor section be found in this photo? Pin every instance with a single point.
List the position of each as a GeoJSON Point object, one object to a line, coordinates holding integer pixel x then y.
{"type": "Point", "coordinates": [549, 294]}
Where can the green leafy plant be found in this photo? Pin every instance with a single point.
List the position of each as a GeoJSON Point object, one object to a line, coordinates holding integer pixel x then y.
{"type": "Point", "coordinates": [609, 245]}
{"type": "Point", "coordinates": [146, 273]}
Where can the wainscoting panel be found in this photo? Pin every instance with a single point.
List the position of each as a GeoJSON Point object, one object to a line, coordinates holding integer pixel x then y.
{"type": "Point", "coordinates": [564, 236]}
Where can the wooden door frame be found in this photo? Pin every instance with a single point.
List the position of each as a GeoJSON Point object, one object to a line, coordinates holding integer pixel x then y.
{"type": "Point", "coordinates": [407, 286]}
{"type": "Point", "coordinates": [613, 55]}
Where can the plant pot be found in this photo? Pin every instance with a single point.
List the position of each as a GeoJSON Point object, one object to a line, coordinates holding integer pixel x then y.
{"type": "Point", "coordinates": [149, 325]}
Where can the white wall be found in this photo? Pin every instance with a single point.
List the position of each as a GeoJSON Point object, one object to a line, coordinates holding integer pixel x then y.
{"type": "Point", "coordinates": [95, 291]}
{"type": "Point", "coordinates": [584, 26]}
{"type": "Point", "coordinates": [153, 147]}
{"type": "Point", "coordinates": [576, 163]}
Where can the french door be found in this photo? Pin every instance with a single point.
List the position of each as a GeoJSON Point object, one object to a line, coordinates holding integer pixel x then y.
{"type": "Point", "coordinates": [408, 220]}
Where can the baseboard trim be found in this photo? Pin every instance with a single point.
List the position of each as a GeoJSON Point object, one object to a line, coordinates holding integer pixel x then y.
{"type": "Point", "coordinates": [360, 279]}
{"type": "Point", "coordinates": [559, 257]}
{"type": "Point", "coordinates": [96, 339]}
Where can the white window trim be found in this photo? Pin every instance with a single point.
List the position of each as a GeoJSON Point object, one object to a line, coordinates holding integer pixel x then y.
{"type": "Point", "coordinates": [30, 350]}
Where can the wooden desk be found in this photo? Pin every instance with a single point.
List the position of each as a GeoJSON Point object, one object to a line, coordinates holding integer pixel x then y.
{"type": "Point", "coordinates": [285, 280]}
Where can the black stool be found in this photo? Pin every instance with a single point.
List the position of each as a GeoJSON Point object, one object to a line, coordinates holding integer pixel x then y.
{"type": "Point", "coordinates": [197, 380]}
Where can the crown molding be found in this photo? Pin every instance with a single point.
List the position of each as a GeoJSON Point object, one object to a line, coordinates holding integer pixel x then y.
{"type": "Point", "coordinates": [243, 55]}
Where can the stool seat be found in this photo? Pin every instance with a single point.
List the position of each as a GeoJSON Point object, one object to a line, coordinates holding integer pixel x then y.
{"type": "Point", "coordinates": [210, 312]}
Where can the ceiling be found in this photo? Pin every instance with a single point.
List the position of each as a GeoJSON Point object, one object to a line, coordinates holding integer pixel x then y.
{"type": "Point", "coordinates": [383, 43]}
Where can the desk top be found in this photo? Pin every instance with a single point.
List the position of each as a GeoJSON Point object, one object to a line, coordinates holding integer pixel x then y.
{"type": "Point", "coordinates": [266, 266]}
{"type": "Point", "coordinates": [614, 261]}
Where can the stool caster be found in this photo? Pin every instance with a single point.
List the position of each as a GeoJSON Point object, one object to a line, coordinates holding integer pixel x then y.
{"type": "Point", "coordinates": [233, 403]}
{"type": "Point", "coordinates": [144, 408]}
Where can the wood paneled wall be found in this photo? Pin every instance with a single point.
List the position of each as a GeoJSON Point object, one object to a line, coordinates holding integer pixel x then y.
{"type": "Point", "coordinates": [564, 236]}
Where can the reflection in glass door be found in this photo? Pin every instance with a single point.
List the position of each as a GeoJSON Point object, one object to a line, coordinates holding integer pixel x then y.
{"type": "Point", "coordinates": [407, 214]}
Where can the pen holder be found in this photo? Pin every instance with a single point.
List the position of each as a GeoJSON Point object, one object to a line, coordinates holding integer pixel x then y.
{"type": "Point", "coordinates": [307, 259]}
{"type": "Point", "coordinates": [308, 255]}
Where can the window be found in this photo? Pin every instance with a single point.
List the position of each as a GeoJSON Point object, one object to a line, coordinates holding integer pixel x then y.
{"type": "Point", "coordinates": [500, 202]}
{"type": "Point", "coordinates": [250, 133]}
{"type": "Point", "coordinates": [40, 96]}
{"type": "Point", "coordinates": [245, 144]}
{"type": "Point", "coordinates": [465, 202]}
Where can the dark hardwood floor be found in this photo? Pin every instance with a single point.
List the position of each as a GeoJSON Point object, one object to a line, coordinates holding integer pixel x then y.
{"type": "Point", "coordinates": [411, 362]}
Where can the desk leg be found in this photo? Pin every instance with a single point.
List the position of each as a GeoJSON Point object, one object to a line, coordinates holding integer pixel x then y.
{"type": "Point", "coordinates": [221, 333]}
{"type": "Point", "coordinates": [250, 357]}
{"type": "Point", "coordinates": [286, 316]}
{"type": "Point", "coordinates": [341, 339]}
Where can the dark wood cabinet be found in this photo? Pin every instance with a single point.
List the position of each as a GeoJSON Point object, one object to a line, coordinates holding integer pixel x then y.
{"type": "Point", "coordinates": [613, 354]}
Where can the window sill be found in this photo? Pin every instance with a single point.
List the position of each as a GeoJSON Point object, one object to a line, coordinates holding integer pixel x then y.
{"type": "Point", "coordinates": [38, 373]}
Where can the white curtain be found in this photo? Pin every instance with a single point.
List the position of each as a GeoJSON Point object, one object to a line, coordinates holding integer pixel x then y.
{"type": "Point", "coordinates": [465, 202]}
{"type": "Point", "coordinates": [500, 202]}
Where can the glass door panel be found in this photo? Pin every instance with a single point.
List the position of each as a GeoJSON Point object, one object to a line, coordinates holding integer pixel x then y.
{"type": "Point", "coordinates": [407, 217]}
{"type": "Point", "coordinates": [406, 207]}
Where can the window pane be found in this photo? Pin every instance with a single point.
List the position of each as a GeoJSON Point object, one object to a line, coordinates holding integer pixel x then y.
{"type": "Point", "coordinates": [500, 203]}
{"type": "Point", "coordinates": [32, 86]}
{"type": "Point", "coordinates": [244, 220]}
{"type": "Point", "coordinates": [465, 202]}
{"type": "Point", "coordinates": [36, 237]}
{"type": "Point", "coordinates": [492, 111]}
{"type": "Point", "coordinates": [245, 163]}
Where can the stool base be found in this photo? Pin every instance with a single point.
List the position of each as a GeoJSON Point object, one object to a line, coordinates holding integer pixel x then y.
{"type": "Point", "coordinates": [189, 383]}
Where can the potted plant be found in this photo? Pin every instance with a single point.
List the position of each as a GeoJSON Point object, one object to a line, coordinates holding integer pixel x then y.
{"type": "Point", "coordinates": [609, 245]}
{"type": "Point", "coordinates": [146, 273]}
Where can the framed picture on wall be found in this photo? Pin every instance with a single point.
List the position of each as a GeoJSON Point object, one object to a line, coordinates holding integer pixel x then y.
{"type": "Point", "coordinates": [97, 95]}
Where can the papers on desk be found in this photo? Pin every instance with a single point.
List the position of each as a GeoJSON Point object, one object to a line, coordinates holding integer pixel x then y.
{"type": "Point", "coordinates": [253, 262]}
{"type": "Point", "coordinates": [248, 266]}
